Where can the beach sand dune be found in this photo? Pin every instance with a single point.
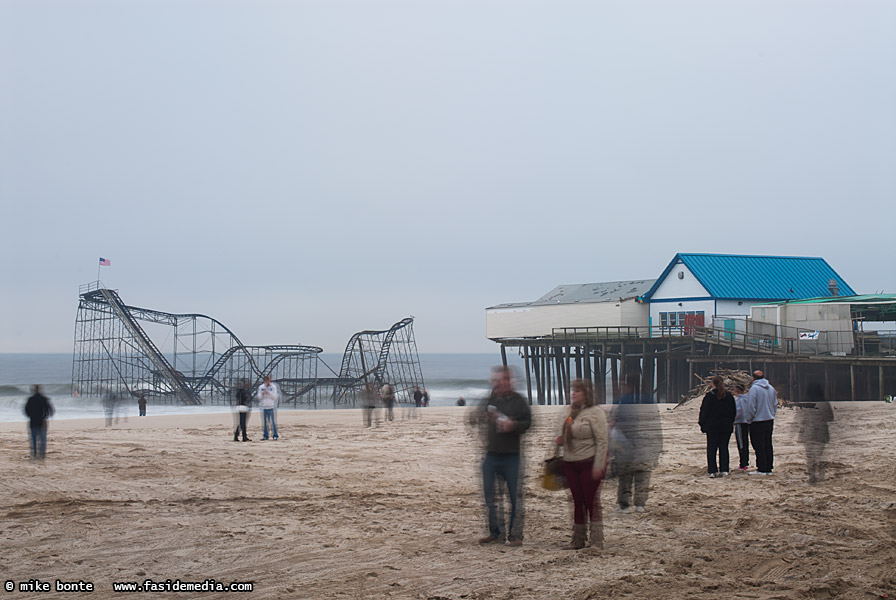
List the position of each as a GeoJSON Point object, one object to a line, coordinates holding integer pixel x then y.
{"type": "Point", "coordinates": [336, 510]}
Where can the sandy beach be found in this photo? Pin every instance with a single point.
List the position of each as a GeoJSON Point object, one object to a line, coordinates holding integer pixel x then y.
{"type": "Point", "coordinates": [336, 510]}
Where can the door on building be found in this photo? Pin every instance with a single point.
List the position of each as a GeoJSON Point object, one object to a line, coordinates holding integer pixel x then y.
{"type": "Point", "coordinates": [729, 329]}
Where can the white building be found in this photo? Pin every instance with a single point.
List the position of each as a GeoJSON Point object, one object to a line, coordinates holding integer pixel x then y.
{"type": "Point", "coordinates": [609, 304]}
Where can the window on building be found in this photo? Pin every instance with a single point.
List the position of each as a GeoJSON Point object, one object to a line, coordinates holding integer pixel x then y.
{"type": "Point", "coordinates": [677, 319]}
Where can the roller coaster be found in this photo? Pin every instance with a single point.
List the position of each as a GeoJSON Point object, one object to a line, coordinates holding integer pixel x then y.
{"type": "Point", "coordinates": [195, 359]}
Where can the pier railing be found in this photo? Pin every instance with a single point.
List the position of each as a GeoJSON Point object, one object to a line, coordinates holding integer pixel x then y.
{"type": "Point", "coordinates": [751, 336]}
{"type": "Point", "coordinates": [90, 287]}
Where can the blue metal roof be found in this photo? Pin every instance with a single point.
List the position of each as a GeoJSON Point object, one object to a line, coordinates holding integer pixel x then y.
{"type": "Point", "coordinates": [731, 276]}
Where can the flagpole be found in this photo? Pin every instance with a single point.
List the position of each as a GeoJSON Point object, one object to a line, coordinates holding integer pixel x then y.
{"type": "Point", "coordinates": [98, 272]}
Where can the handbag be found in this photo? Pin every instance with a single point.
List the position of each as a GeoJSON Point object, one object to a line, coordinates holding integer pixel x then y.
{"type": "Point", "coordinates": [552, 478]}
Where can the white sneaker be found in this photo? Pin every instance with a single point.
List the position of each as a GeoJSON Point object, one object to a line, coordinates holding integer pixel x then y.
{"type": "Point", "coordinates": [724, 474]}
{"type": "Point", "coordinates": [622, 510]}
{"type": "Point", "coordinates": [639, 509]}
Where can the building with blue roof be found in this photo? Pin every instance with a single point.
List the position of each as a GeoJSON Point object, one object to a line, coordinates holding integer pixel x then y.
{"type": "Point", "coordinates": [715, 289]}
{"type": "Point", "coordinates": [793, 317]}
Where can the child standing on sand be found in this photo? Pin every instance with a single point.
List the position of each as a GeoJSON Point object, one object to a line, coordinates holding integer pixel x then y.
{"type": "Point", "coordinates": [742, 427]}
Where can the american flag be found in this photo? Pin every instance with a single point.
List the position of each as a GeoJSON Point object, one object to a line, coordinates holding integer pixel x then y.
{"type": "Point", "coordinates": [105, 262]}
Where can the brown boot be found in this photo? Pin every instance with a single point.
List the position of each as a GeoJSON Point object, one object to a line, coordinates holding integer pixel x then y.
{"type": "Point", "coordinates": [578, 537]}
{"type": "Point", "coordinates": [597, 535]}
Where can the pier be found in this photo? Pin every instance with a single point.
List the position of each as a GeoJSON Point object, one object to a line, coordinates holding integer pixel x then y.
{"type": "Point", "coordinates": [669, 360]}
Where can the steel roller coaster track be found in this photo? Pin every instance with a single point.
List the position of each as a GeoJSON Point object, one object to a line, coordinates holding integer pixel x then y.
{"type": "Point", "coordinates": [200, 360]}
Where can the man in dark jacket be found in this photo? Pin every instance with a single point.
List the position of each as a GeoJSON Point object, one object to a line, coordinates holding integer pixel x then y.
{"type": "Point", "coordinates": [38, 409]}
{"type": "Point", "coordinates": [418, 397]}
{"type": "Point", "coordinates": [505, 417]}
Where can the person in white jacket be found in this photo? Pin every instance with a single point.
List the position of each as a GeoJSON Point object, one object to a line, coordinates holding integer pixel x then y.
{"type": "Point", "coordinates": [268, 396]}
{"type": "Point", "coordinates": [762, 405]}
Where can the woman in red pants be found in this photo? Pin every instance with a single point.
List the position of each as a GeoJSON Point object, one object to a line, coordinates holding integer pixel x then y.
{"type": "Point", "coordinates": [584, 439]}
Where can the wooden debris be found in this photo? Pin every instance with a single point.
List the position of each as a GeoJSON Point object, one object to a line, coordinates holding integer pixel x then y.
{"type": "Point", "coordinates": [732, 377]}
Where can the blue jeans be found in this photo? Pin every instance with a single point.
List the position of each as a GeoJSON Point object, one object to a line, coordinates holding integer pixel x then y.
{"type": "Point", "coordinates": [269, 416]}
{"type": "Point", "coordinates": [38, 441]}
{"type": "Point", "coordinates": [507, 467]}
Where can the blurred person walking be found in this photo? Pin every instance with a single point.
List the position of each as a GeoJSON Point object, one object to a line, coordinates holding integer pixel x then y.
{"type": "Point", "coordinates": [762, 405]}
{"type": "Point", "coordinates": [369, 399]}
{"type": "Point", "coordinates": [813, 432]}
{"type": "Point", "coordinates": [742, 427]}
{"type": "Point", "coordinates": [243, 404]}
{"type": "Point", "coordinates": [418, 397]}
{"type": "Point", "coordinates": [110, 405]}
{"type": "Point", "coordinates": [504, 416]}
{"type": "Point", "coordinates": [388, 394]}
{"type": "Point", "coordinates": [636, 435]}
{"type": "Point", "coordinates": [141, 405]}
{"type": "Point", "coordinates": [411, 412]}
{"type": "Point", "coordinates": [268, 397]}
{"type": "Point", "coordinates": [584, 438]}
{"type": "Point", "coordinates": [38, 409]}
{"type": "Point", "coordinates": [717, 414]}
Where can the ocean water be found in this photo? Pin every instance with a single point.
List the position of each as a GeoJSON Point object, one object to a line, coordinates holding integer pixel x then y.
{"type": "Point", "coordinates": [447, 377]}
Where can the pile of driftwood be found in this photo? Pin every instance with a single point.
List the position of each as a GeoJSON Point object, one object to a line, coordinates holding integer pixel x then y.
{"type": "Point", "coordinates": [731, 377]}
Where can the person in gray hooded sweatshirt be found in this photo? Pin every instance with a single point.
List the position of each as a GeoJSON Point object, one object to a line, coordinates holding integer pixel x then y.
{"type": "Point", "coordinates": [762, 404]}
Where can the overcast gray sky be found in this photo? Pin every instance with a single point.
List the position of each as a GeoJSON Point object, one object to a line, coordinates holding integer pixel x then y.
{"type": "Point", "coordinates": [303, 170]}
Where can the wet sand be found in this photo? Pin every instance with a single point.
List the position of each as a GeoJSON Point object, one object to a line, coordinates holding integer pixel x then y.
{"type": "Point", "coordinates": [336, 510]}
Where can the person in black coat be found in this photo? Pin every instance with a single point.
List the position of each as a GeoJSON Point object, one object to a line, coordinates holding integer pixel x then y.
{"type": "Point", "coordinates": [243, 406]}
{"type": "Point", "coordinates": [717, 421]}
{"type": "Point", "coordinates": [38, 409]}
